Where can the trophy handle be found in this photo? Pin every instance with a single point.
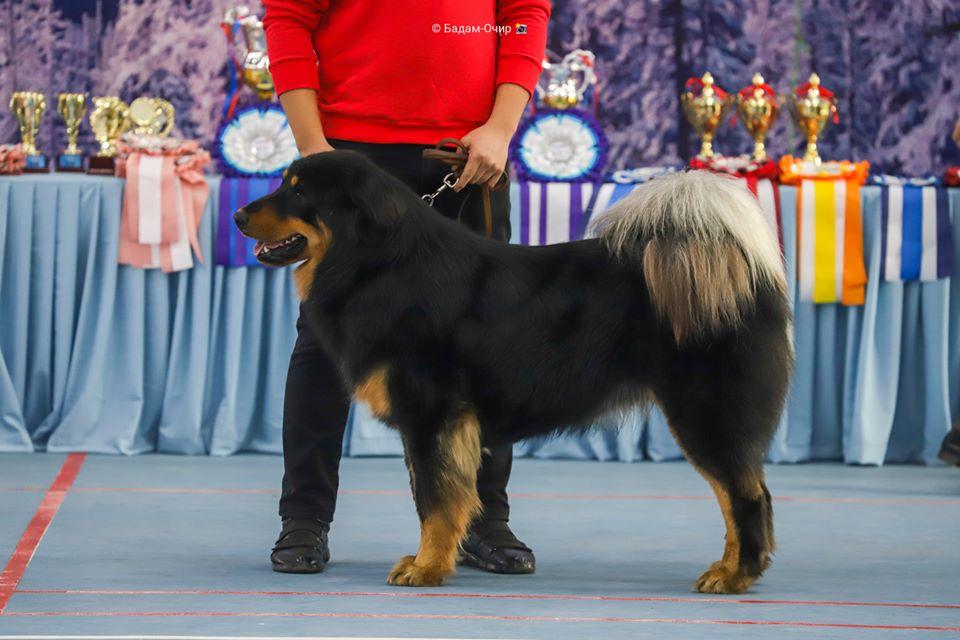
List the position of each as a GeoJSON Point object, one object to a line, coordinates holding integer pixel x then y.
{"type": "Point", "coordinates": [583, 85]}
{"type": "Point", "coordinates": [168, 114]}
{"type": "Point", "coordinates": [587, 75]}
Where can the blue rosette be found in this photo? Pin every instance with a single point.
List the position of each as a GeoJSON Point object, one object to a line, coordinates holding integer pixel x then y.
{"type": "Point", "coordinates": [559, 145]}
{"type": "Point", "coordinates": [256, 142]}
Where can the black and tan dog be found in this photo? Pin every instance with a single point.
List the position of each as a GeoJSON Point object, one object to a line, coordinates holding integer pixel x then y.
{"type": "Point", "coordinates": [458, 341]}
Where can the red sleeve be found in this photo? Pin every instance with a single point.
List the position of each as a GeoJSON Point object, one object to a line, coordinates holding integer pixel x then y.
{"type": "Point", "coordinates": [290, 25]}
{"type": "Point", "coordinates": [520, 56]}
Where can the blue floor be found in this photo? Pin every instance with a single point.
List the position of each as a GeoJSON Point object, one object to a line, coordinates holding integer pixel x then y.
{"type": "Point", "coordinates": [163, 545]}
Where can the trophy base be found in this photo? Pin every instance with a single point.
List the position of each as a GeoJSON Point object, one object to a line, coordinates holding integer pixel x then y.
{"type": "Point", "coordinates": [70, 162]}
{"type": "Point", "coordinates": [36, 164]}
{"type": "Point", "coordinates": [102, 165]}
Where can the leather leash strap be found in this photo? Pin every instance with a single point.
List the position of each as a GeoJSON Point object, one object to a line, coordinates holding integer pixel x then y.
{"type": "Point", "coordinates": [457, 159]}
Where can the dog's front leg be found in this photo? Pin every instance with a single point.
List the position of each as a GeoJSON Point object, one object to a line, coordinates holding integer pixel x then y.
{"type": "Point", "coordinates": [443, 476]}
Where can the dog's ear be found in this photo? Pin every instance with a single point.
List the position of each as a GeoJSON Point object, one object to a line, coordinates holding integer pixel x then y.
{"type": "Point", "coordinates": [379, 201]}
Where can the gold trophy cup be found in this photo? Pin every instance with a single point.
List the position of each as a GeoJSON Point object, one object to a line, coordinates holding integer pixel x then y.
{"type": "Point", "coordinates": [705, 109]}
{"type": "Point", "coordinates": [812, 106]}
{"type": "Point", "coordinates": [71, 107]}
{"type": "Point", "coordinates": [28, 108]}
{"type": "Point", "coordinates": [151, 117]}
{"type": "Point", "coordinates": [757, 106]}
{"type": "Point", "coordinates": [109, 120]}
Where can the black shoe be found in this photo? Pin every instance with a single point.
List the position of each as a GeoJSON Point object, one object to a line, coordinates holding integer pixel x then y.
{"type": "Point", "coordinates": [301, 547]}
{"type": "Point", "coordinates": [491, 546]}
{"type": "Point", "coordinates": [950, 449]}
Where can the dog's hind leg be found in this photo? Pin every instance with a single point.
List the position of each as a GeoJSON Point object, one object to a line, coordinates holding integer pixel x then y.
{"type": "Point", "coordinates": [443, 476]}
{"type": "Point", "coordinates": [749, 534]}
{"type": "Point", "coordinates": [733, 466]}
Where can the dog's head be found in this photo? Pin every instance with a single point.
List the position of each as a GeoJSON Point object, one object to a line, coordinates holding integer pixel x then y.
{"type": "Point", "coordinates": [338, 198]}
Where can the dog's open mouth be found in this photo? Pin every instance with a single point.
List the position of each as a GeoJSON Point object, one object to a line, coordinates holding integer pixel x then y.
{"type": "Point", "coordinates": [282, 252]}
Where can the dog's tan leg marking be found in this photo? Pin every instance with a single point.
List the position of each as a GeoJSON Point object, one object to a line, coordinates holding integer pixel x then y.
{"type": "Point", "coordinates": [442, 529]}
{"type": "Point", "coordinates": [372, 390]}
{"type": "Point", "coordinates": [727, 575]}
{"type": "Point", "coordinates": [724, 575]}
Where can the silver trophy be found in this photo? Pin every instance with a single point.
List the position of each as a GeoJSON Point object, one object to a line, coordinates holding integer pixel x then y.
{"type": "Point", "coordinates": [253, 50]}
{"type": "Point", "coordinates": [564, 83]}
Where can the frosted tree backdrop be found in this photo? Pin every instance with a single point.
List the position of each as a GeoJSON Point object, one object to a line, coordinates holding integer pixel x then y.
{"type": "Point", "coordinates": [897, 77]}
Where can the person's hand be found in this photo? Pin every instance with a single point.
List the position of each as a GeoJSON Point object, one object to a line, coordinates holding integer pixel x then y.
{"type": "Point", "coordinates": [956, 133]}
{"type": "Point", "coordinates": [488, 146]}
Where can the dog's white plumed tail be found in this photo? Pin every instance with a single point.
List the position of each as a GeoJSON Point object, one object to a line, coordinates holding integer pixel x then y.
{"type": "Point", "coordinates": [704, 245]}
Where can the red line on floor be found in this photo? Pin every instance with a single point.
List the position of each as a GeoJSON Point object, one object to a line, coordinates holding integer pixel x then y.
{"type": "Point", "coordinates": [487, 596]}
{"type": "Point", "coordinates": [539, 496]}
{"type": "Point", "coordinates": [187, 490]}
{"type": "Point", "coordinates": [27, 545]}
{"type": "Point", "coordinates": [811, 499]}
{"type": "Point", "coordinates": [441, 616]}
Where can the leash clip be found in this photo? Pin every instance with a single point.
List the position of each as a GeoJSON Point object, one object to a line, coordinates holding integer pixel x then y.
{"type": "Point", "coordinates": [449, 181]}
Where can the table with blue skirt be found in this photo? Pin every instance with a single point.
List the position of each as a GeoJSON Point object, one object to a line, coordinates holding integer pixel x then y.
{"type": "Point", "coordinates": [105, 358]}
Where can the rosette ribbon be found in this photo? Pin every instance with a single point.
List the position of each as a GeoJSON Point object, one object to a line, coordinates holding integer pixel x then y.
{"type": "Point", "coordinates": [163, 201]}
{"type": "Point", "coordinates": [12, 158]}
{"type": "Point", "coordinates": [916, 234]}
{"type": "Point", "coordinates": [830, 229]}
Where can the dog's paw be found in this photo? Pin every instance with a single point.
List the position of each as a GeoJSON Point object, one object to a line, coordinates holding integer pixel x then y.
{"type": "Point", "coordinates": [722, 578]}
{"type": "Point", "coordinates": [406, 573]}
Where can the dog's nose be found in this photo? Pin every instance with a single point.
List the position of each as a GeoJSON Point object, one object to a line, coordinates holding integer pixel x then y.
{"type": "Point", "coordinates": [241, 217]}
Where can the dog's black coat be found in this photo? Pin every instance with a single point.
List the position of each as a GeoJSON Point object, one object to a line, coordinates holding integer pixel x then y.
{"type": "Point", "coordinates": [530, 339]}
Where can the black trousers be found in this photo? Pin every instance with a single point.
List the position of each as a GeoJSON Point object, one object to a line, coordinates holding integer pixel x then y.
{"type": "Point", "coordinates": [316, 402]}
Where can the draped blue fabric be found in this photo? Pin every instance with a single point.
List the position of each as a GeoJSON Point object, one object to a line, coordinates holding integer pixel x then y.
{"type": "Point", "coordinates": [106, 358]}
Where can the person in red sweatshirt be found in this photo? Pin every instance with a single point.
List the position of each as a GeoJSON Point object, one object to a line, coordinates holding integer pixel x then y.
{"type": "Point", "coordinates": [389, 79]}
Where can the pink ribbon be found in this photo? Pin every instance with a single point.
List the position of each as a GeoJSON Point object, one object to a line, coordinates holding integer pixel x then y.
{"type": "Point", "coordinates": [163, 204]}
{"type": "Point", "coordinates": [12, 158]}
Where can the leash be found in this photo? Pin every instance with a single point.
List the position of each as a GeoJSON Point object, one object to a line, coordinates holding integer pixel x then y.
{"type": "Point", "coordinates": [457, 159]}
